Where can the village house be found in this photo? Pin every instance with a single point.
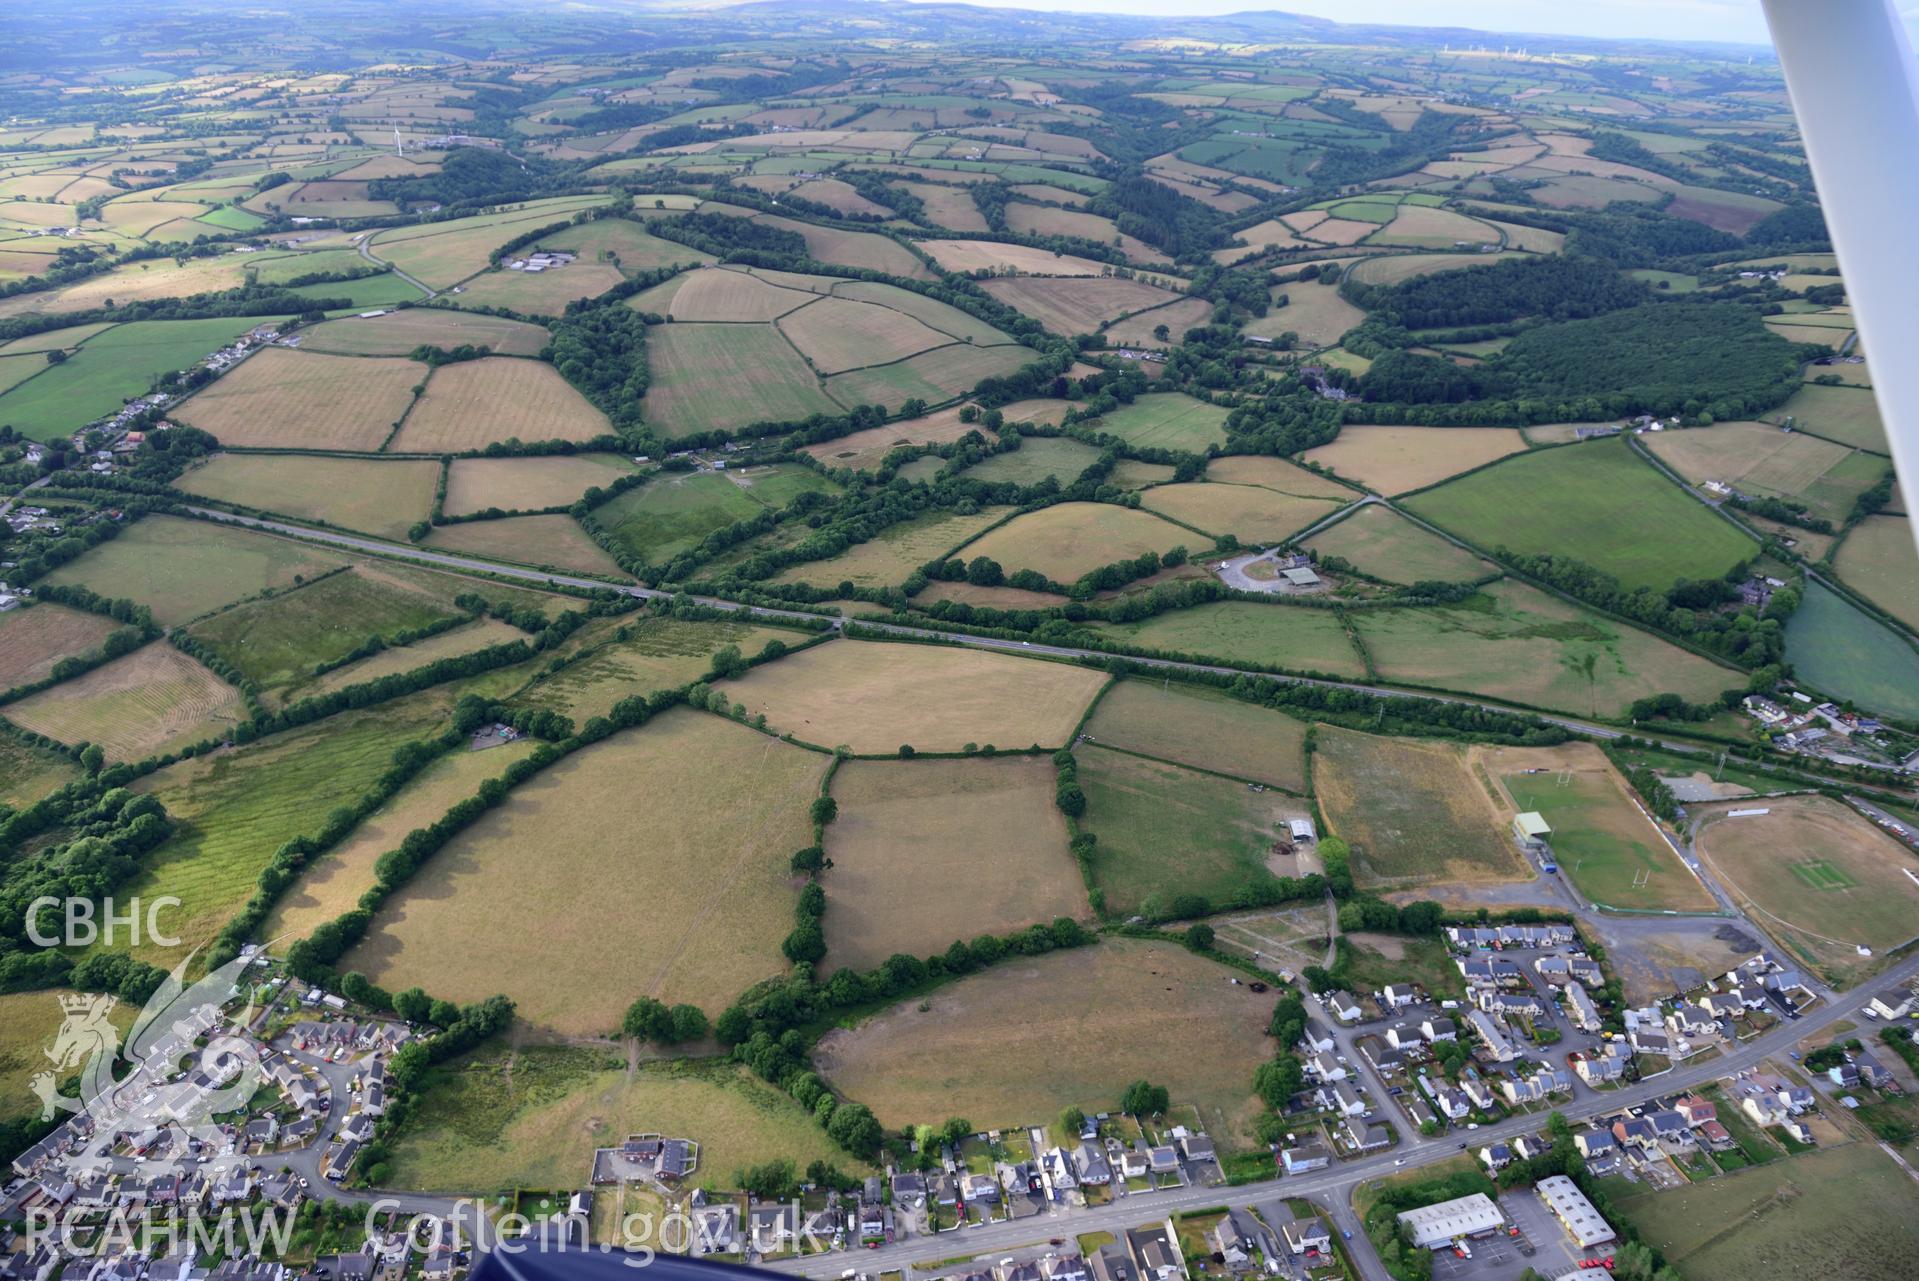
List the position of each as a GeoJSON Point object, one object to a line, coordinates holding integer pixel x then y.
{"type": "Point", "coordinates": [1439, 1028]}
{"type": "Point", "coordinates": [1343, 1007]}
{"type": "Point", "coordinates": [1402, 1036]}
{"type": "Point", "coordinates": [1580, 1008]}
{"type": "Point", "coordinates": [1497, 1046]}
{"type": "Point", "coordinates": [1304, 1157]}
{"type": "Point", "coordinates": [1397, 996]}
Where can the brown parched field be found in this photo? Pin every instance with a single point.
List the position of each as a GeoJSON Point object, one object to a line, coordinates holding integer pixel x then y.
{"type": "Point", "coordinates": [1393, 460]}
{"type": "Point", "coordinates": [155, 699]}
{"type": "Point", "coordinates": [679, 891]}
{"type": "Point", "coordinates": [923, 850]}
{"type": "Point", "coordinates": [987, 1047]}
{"type": "Point", "coordinates": [472, 404]}
{"type": "Point", "coordinates": [528, 484]}
{"type": "Point", "coordinates": [305, 400]}
{"type": "Point", "coordinates": [873, 697]}
{"type": "Point", "coordinates": [32, 640]}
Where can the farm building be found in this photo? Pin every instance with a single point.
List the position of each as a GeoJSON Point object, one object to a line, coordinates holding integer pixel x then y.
{"type": "Point", "coordinates": [1438, 1226]}
{"type": "Point", "coordinates": [1575, 1213]}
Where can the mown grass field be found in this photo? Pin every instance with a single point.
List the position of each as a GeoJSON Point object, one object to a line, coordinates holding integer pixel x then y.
{"type": "Point", "coordinates": [1203, 728]}
{"type": "Point", "coordinates": [29, 772]}
{"type": "Point", "coordinates": [1305, 640]}
{"type": "Point", "coordinates": [624, 243]}
{"type": "Point", "coordinates": [1166, 420]}
{"type": "Point", "coordinates": [1315, 312]}
{"type": "Point", "coordinates": [276, 642]}
{"type": "Point", "coordinates": [370, 495]}
{"type": "Point", "coordinates": [1835, 648]}
{"type": "Point", "coordinates": [866, 450]}
{"type": "Point", "coordinates": [1412, 812]}
{"type": "Point", "coordinates": [1276, 474]}
{"type": "Point", "coordinates": [398, 332]}
{"type": "Point", "coordinates": [1821, 877]}
{"type": "Point", "coordinates": [723, 377]}
{"type": "Point", "coordinates": [333, 883]}
{"type": "Point", "coordinates": [725, 806]}
{"type": "Point", "coordinates": [110, 368]}
{"type": "Point", "coordinates": [837, 334]}
{"type": "Point", "coordinates": [555, 540]}
{"type": "Point", "coordinates": [1257, 516]}
{"type": "Point", "coordinates": [1878, 562]}
{"type": "Point", "coordinates": [235, 809]}
{"type": "Point", "coordinates": [528, 484]}
{"type": "Point", "coordinates": [1067, 540]}
{"type": "Point", "coordinates": [302, 399]}
{"type": "Point", "coordinates": [1165, 831]}
{"type": "Point", "coordinates": [1849, 415]}
{"type": "Point", "coordinates": [1035, 460]}
{"type": "Point", "coordinates": [1841, 1211]}
{"type": "Point", "coordinates": [1070, 305]}
{"type": "Point", "coordinates": [1594, 502]}
{"type": "Point", "coordinates": [154, 700]}
{"type": "Point", "coordinates": [986, 1047]}
{"type": "Point", "coordinates": [33, 639]}
{"type": "Point", "coordinates": [659, 653]}
{"type": "Point", "coordinates": [1383, 543]}
{"type": "Point", "coordinates": [1393, 460]}
{"type": "Point", "coordinates": [932, 376]}
{"type": "Point", "coordinates": [544, 293]}
{"type": "Point", "coordinates": [1514, 642]}
{"type": "Point", "coordinates": [530, 1118]}
{"type": "Point", "coordinates": [474, 403]}
{"type": "Point", "coordinates": [671, 514]}
{"type": "Point", "coordinates": [444, 253]}
{"type": "Point", "coordinates": [924, 850]}
{"type": "Point", "coordinates": [874, 697]}
{"type": "Point", "coordinates": [890, 557]}
{"type": "Point", "coordinates": [1761, 460]}
{"type": "Point", "coordinates": [1602, 842]}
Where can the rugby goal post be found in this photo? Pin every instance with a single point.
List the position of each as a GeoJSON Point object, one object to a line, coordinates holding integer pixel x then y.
{"type": "Point", "coordinates": [1855, 88]}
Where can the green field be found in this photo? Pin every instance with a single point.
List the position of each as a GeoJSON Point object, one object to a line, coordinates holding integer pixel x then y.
{"type": "Point", "coordinates": [234, 810]}
{"type": "Point", "coordinates": [1203, 728]}
{"type": "Point", "coordinates": [111, 368]}
{"type": "Point", "coordinates": [1877, 561]}
{"type": "Point", "coordinates": [1382, 542]}
{"type": "Point", "coordinates": [669, 515]}
{"type": "Point", "coordinates": [1605, 845]}
{"type": "Point", "coordinates": [1035, 460]}
{"type": "Point", "coordinates": [276, 642]}
{"type": "Point", "coordinates": [1165, 831]}
{"type": "Point", "coordinates": [658, 653]}
{"type": "Point", "coordinates": [1515, 642]}
{"type": "Point", "coordinates": [509, 1118]}
{"type": "Point", "coordinates": [1166, 420]}
{"type": "Point", "coordinates": [1597, 503]}
{"type": "Point", "coordinates": [1849, 415]}
{"type": "Point", "coordinates": [1820, 874]}
{"type": "Point", "coordinates": [709, 377]}
{"type": "Point", "coordinates": [29, 772]}
{"type": "Point", "coordinates": [1835, 648]}
{"type": "Point", "coordinates": [1843, 1211]}
{"type": "Point", "coordinates": [1305, 640]}
{"type": "Point", "coordinates": [182, 569]}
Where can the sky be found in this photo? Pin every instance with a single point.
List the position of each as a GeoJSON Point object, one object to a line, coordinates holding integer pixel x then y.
{"type": "Point", "coordinates": [1738, 21]}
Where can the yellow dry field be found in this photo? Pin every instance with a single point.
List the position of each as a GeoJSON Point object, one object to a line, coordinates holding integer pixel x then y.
{"type": "Point", "coordinates": [890, 557]}
{"type": "Point", "coordinates": [985, 255]}
{"type": "Point", "coordinates": [1341, 231]}
{"type": "Point", "coordinates": [34, 638]}
{"type": "Point", "coordinates": [1313, 311]}
{"type": "Point", "coordinates": [1273, 233]}
{"type": "Point", "coordinates": [1423, 227]}
{"type": "Point", "coordinates": [1253, 514]}
{"type": "Point", "coordinates": [376, 496]}
{"type": "Point", "coordinates": [285, 399]}
{"type": "Point", "coordinates": [1075, 305]}
{"type": "Point", "coordinates": [1275, 474]}
{"type": "Point", "coordinates": [540, 293]}
{"type": "Point", "coordinates": [656, 654]}
{"type": "Point", "coordinates": [483, 634]}
{"type": "Point", "coordinates": [1394, 460]}
{"type": "Point", "coordinates": [988, 1046]}
{"type": "Point", "coordinates": [1877, 560]}
{"type": "Point", "coordinates": [333, 883]}
{"type": "Point", "coordinates": [929, 851]}
{"type": "Point", "coordinates": [528, 484]}
{"type": "Point", "coordinates": [1067, 540]}
{"type": "Point", "coordinates": [875, 697]}
{"type": "Point", "coordinates": [443, 254]}
{"type": "Point", "coordinates": [653, 863]}
{"type": "Point", "coordinates": [399, 332]}
{"type": "Point", "coordinates": [718, 293]}
{"type": "Point", "coordinates": [865, 450]}
{"type": "Point", "coordinates": [154, 700]}
{"type": "Point", "coordinates": [30, 1023]}
{"type": "Point", "coordinates": [138, 217]}
{"type": "Point", "coordinates": [1383, 542]}
{"type": "Point", "coordinates": [556, 540]}
{"type": "Point", "coordinates": [133, 282]}
{"type": "Point", "coordinates": [837, 334]}
{"type": "Point", "coordinates": [1178, 317]}
{"type": "Point", "coordinates": [477, 402]}
{"type": "Point", "coordinates": [1203, 729]}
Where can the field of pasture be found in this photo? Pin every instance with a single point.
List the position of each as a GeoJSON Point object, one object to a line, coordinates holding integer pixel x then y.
{"type": "Point", "coordinates": [374, 496]}
{"type": "Point", "coordinates": [181, 569]}
{"type": "Point", "coordinates": [1204, 729]}
{"type": "Point", "coordinates": [302, 399]}
{"type": "Point", "coordinates": [151, 701]}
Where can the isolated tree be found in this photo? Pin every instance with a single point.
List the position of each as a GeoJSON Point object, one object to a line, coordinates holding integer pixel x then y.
{"type": "Point", "coordinates": [1200, 938]}
{"type": "Point", "coordinates": [825, 810]}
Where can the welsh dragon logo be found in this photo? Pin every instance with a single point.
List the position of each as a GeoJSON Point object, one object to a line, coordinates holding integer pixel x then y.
{"type": "Point", "coordinates": [161, 1080]}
